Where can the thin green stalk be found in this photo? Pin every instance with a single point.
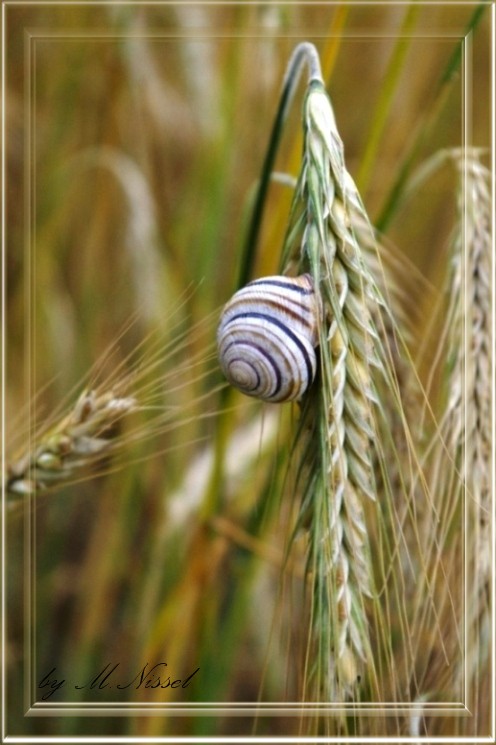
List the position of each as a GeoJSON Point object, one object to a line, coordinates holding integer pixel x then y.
{"type": "Point", "coordinates": [424, 127]}
{"type": "Point", "coordinates": [212, 501]}
{"type": "Point", "coordinates": [304, 53]}
{"type": "Point", "coordinates": [219, 655]}
{"type": "Point", "coordinates": [386, 95]}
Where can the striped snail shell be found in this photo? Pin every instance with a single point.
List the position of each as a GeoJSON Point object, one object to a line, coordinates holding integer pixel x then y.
{"type": "Point", "coordinates": [267, 336]}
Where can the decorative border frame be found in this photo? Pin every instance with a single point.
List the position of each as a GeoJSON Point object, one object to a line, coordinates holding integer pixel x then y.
{"type": "Point", "coordinates": [206, 709]}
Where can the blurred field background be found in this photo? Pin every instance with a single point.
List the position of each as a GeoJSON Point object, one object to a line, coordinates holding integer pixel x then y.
{"type": "Point", "coordinates": [135, 135]}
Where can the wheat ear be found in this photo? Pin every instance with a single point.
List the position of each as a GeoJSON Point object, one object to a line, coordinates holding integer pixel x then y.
{"type": "Point", "coordinates": [337, 459]}
{"type": "Point", "coordinates": [75, 442]}
{"type": "Point", "coordinates": [66, 446]}
{"type": "Point", "coordinates": [459, 458]}
{"type": "Point", "coordinates": [470, 398]}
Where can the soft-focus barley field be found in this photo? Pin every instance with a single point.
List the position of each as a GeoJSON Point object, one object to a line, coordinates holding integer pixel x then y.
{"type": "Point", "coordinates": [152, 515]}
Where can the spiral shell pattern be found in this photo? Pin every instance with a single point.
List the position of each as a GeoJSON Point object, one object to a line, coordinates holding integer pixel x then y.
{"type": "Point", "coordinates": [267, 337]}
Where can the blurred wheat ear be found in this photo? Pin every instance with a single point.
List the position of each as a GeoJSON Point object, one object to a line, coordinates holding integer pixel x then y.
{"type": "Point", "coordinates": [70, 446]}
{"type": "Point", "coordinates": [73, 444]}
{"type": "Point", "coordinates": [477, 401]}
{"type": "Point", "coordinates": [458, 462]}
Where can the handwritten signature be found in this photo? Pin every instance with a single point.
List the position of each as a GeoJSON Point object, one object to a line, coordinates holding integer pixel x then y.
{"type": "Point", "coordinates": [151, 676]}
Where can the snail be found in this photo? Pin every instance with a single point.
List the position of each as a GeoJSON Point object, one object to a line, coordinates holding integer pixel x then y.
{"type": "Point", "coordinates": [267, 336]}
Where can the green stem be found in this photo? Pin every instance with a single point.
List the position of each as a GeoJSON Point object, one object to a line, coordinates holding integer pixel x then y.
{"type": "Point", "coordinates": [424, 127]}
{"type": "Point", "coordinates": [304, 53]}
{"type": "Point", "coordinates": [212, 502]}
{"type": "Point", "coordinates": [383, 107]}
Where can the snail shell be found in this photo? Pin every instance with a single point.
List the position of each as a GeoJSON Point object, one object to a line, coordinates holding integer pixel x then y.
{"type": "Point", "coordinates": [267, 336]}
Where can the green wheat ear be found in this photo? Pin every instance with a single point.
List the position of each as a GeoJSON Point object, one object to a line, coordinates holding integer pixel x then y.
{"type": "Point", "coordinates": [342, 414]}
